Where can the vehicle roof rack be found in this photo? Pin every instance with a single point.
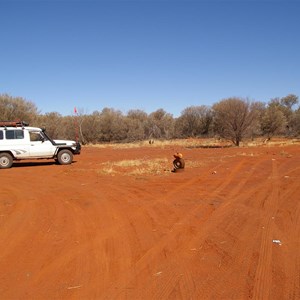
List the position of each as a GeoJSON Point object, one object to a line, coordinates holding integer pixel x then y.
{"type": "Point", "coordinates": [17, 123]}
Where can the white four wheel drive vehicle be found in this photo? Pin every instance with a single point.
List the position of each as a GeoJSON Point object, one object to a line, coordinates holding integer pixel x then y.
{"type": "Point", "coordinates": [18, 141]}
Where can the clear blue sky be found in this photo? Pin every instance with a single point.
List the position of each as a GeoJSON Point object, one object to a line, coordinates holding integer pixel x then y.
{"type": "Point", "coordinates": [147, 54]}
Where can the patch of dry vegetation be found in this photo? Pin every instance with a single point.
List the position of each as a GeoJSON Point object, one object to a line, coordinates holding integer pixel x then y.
{"type": "Point", "coordinates": [199, 143]}
{"type": "Point", "coordinates": [187, 143]}
{"type": "Point", "coordinates": [276, 141]}
{"type": "Point", "coordinates": [135, 167]}
{"type": "Point", "coordinates": [159, 166]}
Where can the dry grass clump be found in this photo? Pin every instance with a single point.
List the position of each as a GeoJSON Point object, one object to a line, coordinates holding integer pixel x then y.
{"type": "Point", "coordinates": [135, 167]}
{"type": "Point", "coordinates": [188, 143]}
{"type": "Point", "coordinates": [199, 143]}
{"type": "Point", "coordinates": [274, 141]}
{"type": "Point", "coordinates": [107, 170]}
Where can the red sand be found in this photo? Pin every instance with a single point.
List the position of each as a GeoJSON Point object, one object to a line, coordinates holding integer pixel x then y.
{"type": "Point", "coordinates": [73, 232]}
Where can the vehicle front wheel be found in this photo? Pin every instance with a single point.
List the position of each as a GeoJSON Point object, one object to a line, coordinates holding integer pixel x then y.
{"type": "Point", "coordinates": [65, 157]}
{"type": "Point", "coordinates": [6, 160]}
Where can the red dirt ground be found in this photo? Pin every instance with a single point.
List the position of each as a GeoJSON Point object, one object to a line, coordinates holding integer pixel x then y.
{"type": "Point", "coordinates": [74, 232]}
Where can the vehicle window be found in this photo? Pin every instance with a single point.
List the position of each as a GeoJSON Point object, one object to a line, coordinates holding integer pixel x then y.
{"type": "Point", "coordinates": [14, 134]}
{"type": "Point", "coordinates": [35, 136]}
{"type": "Point", "coordinates": [1, 135]}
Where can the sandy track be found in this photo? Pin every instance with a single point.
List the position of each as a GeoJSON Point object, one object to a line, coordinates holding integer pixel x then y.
{"type": "Point", "coordinates": [73, 232]}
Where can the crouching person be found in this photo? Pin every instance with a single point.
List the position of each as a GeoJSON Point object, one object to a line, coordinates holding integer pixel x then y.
{"type": "Point", "coordinates": [178, 162]}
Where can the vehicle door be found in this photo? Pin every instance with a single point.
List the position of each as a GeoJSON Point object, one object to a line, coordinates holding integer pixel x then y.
{"type": "Point", "coordinates": [40, 146]}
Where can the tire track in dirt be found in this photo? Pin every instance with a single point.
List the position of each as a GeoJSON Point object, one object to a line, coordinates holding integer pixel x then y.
{"type": "Point", "coordinates": [11, 222]}
{"type": "Point", "coordinates": [235, 201]}
{"type": "Point", "coordinates": [210, 226]}
{"type": "Point", "coordinates": [89, 240]}
{"type": "Point", "coordinates": [235, 197]}
{"type": "Point", "coordinates": [115, 247]}
{"type": "Point", "coordinates": [294, 276]}
{"type": "Point", "coordinates": [182, 186]}
{"type": "Point", "coordinates": [263, 277]}
{"type": "Point", "coordinates": [292, 269]}
{"type": "Point", "coordinates": [175, 280]}
{"type": "Point", "coordinates": [59, 229]}
{"type": "Point", "coordinates": [284, 218]}
{"type": "Point", "coordinates": [25, 233]}
{"type": "Point", "coordinates": [292, 273]}
{"type": "Point", "coordinates": [113, 258]}
{"type": "Point", "coordinates": [174, 233]}
{"type": "Point", "coordinates": [243, 252]}
{"type": "Point", "coordinates": [287, 219]}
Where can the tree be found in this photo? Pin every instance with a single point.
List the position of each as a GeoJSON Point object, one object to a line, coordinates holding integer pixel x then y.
{"type": "Point", "coordinates": [232, 118]}
{"type": "Point", "coordinates": [273, 121]}
{"type": "Point", "coordinates": [136, 122]}
{"type": "Point", "coordinates": [13, 108]}
{"type": "Point", "coordinates": [90, 127]}
{"type": "Point", "coordinates": [52, 122]}
{"type": "Point", "coordinates": [160, 124]}
{"type": "Point", "coordinates": [194, 121]}
{"type": "Point", "coordinates": [258, 108]}
{"type": "Point", "coordinates": [289, 101]}
{"type": "Point", "coordinates": [285, 105]}
{"type": "Point", "coordinates": [296, 122]}
{"type": "Point", "coordinates": [112, 125]}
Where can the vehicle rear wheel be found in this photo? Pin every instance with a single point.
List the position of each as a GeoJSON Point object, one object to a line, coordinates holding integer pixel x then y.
{"type": "Point", "coordinates": [65, 157]}
{"type": "Point", "coordinates": [6, 160]}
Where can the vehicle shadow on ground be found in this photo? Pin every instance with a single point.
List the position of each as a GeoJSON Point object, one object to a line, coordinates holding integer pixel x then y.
{"type": "Point", "coordinates": [36, 164]}
{"type": "Point", "coordinates": [33, 164]}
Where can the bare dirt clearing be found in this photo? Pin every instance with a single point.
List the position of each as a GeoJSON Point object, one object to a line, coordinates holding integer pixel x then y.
{"type": "Point", "coordinates": [228, 227]}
